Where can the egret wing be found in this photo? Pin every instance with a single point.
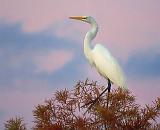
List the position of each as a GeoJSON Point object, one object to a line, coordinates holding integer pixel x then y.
{"type": "Point", "coordinates": [107, 65]}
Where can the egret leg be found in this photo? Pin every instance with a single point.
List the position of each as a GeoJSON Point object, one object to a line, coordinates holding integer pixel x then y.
{"type": "Point", "coordinates": [94, 101]}
{"type": "Point", "coordinates": [109, 89]}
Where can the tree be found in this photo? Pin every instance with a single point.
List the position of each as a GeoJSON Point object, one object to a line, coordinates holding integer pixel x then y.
{"type": "Point", "coordinates": [67, 110]}
{"type": "Point", "coordinates": [15, 124]}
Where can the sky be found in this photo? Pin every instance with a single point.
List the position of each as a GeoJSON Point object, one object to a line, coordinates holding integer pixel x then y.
{"type": "Point", "coordinates": [41, 49]}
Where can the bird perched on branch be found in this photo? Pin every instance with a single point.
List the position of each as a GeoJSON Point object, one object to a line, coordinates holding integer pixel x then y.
{"type": "Point", "coordinates": [101, 58]}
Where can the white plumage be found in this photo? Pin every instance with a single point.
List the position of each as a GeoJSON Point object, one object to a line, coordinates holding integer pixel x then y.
{"type": "Point", "coordinates": [100, 57]}
{"type": "Point", "coordinates": [109, 67]}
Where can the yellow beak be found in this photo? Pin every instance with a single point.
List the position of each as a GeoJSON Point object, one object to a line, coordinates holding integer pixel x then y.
{"type": "Point", "coordinates": [77, 17]}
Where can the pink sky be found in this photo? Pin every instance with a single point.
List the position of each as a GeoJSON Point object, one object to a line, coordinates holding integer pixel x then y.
{"type": "Point", "coordinates": [133, 25]}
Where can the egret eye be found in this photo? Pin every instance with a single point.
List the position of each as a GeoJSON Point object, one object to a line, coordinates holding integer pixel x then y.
{"type": "Point", "coordinates": [84, 18]}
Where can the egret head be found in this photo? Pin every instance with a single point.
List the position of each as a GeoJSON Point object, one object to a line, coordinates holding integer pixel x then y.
{"type": "Point", "coordinates": [87, 19]}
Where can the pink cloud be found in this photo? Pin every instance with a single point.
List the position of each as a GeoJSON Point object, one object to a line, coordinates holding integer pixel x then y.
{"type": "Point", "coordinates": [52, 61]}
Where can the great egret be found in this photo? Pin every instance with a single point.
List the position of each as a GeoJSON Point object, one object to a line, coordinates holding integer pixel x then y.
{"type": "Point", "coordinates": [100, 57]}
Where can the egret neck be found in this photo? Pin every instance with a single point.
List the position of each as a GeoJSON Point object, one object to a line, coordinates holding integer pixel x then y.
{"type": "Point", "coordinates": [90, 35]}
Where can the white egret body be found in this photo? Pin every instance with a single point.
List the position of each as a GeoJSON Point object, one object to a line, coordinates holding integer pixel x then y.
{"type": "Point", "coordinates": [100, 57]}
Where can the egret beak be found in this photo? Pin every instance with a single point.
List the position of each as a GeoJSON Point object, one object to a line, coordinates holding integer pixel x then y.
{"type": "Point", "coordinates": [78, 17]}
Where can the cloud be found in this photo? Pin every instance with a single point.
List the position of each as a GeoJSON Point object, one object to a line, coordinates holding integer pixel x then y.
{"type": "Point", "coordinates": [125, 26]}
{"type": "Point", "coordinates": [52, 61]}
{"type": "Point", "coordinates": [144, 64]}
{"type": "Point", "coordinates": [143, 75]}
{"type": "Point", "coordinates": [25, 61]}
{"type": "Point", "coordinates": [19, 49]}
{"type": "Point", "coordinates": [22, 54]}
